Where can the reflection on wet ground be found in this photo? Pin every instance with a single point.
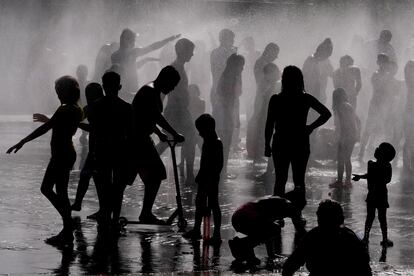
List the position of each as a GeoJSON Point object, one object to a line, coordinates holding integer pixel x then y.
{"type": "Point", "coordinates": [26, 219]}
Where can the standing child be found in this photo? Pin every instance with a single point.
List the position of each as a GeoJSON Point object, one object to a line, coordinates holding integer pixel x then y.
{"type": "Point", "coordinates": [379, 175]}
{"type": "Point", "coordinates": [64, 124]}
{"type": "Point", "coordinates": [347, 133]}
{"type": "Point", "coordinates": [208, 178]}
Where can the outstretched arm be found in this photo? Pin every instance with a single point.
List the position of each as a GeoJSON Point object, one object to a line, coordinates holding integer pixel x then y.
{"type": "Point", "coordinates": [36, 133]}
{"type": "Point", "coordinates": [324, 114]}
{"type": "Point", "coordinates": [154, 46]}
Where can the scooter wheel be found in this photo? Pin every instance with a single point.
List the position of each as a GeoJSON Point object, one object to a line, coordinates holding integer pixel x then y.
{"type": "Point", "coordinates": [182, 224]}
{"type": "Point", "coordinates": [122, 221]}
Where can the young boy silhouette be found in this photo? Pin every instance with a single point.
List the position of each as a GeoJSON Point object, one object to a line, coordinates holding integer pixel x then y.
{"type": "Point", "coordinates": [63, 124]}
{"type": "Point", "coordinates": [378, 176]}
{"type": "Point", "coordinates": [208, 178]}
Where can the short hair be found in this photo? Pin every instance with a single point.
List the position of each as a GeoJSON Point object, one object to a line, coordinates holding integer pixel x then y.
{"type": "Point", "coordinates": [383, 58]}
{"type": "Point", "coordinates": [387, 151]}
{"type": "Point", "coordinates": [386, 35]}
{"type": "Point", "coordinates": [184, 45]}
{"type": "Point", "coordinates": [226, 34]}
{"type": "Point", "coordinates": [169, 73]}
{"type": "Point", "coordinates": [346, 60]}
{"type": "Point", "coordinates": [111, 78]}
{"type": "Point", "coordinates": [93, 91]}
{"type": "Point", "coordinates": [330, 214]}
{"type": "Point", "coordinates": [82, 69]}
{"type": "Point", "coordinates": [271, 47]}
{"type": "Point", "coordinates": [205, 121]}
{"type": "Point", "coordinates": [126, 36]}
{"type": "Point", "coordinates": [67, 89]}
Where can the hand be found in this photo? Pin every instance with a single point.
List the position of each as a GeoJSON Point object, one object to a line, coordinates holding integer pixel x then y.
{"type": "Point", "coordinates": [309, 129]}
{"type": "Point", "coordinates": [268, 151]}
{"type": "Point", "coordinates": [38, 117]}
{"type": "Point", "coordinates": [15, 148]}
{"type": "Point", "coordinates": [163, 137]}
{"type": "Point", "coordinates": [179, 138]}
{"type": "Point", "coordinates": [356, 177]}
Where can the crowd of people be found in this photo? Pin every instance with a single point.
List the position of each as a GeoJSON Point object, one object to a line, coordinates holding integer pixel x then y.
{"type": "Point", "coordinates": [287, 110]}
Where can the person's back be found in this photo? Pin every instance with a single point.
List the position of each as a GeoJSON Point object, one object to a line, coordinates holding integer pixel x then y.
{"type": "Point", "coordinates": [211, 161]}
{"type": "Point", "coordinates": [329, 248]}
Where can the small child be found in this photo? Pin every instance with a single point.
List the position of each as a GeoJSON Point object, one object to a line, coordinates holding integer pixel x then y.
{"type": "Point", "coordinates": [256, 219]}
{"type": "Point", "coordinates": [208, 178]}
{"type": "Point", "coordinates": [347, 134]}
{"type": "Point", "coordinates": [378, 176]}
{"type": "Point", "coordinates": [64, 124]}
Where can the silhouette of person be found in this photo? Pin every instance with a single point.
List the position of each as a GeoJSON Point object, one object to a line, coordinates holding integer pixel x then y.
{"type": "Point", "coordinates": [82, 78]}
{"type": "Point", "coordinates": [286, 121]}
{"type": "Point", "coordinates": [408, 148]}
{"type": "Point", "coordinates": [348, 77]}
{"type": "Point", "coordinates": [177, 111]}
{"type": "Point", "coordinates": [329, 248]}
{"type": "Point", "coordinates": [378, 176]}
{"type": "Point", "coordinates": [229, 90]}
{"type": "Point", "coordinates": [93, 93]}
{"type": "Point", "coordinates": [269, 54]}
{"type": "Point", "coordinates": [208, 178]}
{"type": "Point", "coordinates": [103, 60]}
{"type": "Point", "coordinates": [347, 131]}
{"type": "Point", "coordinates": [256, 220]}
{"type": "Point", "coordinates": [147, 108]}
{"type": "Point", "coordinates": [127, 55]}
{"type": "Point", "coordinates": [218, 59]}
{"type": "Point", "coordinates": [383, 46]}
{"type": "Point", "coordinates": [313, 72]}
{"type": "Point", "coordinates": [377, 112]}
{"type": "Point", "coordinates": [110, 121]}
{"type": "Point", "coordinates": [197, 107]}
{"type": "Point", "coordinates": [63, 124]}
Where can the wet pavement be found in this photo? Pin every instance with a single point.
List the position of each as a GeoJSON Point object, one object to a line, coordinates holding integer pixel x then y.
{"type": "Point", "coordinates": [27, 218]}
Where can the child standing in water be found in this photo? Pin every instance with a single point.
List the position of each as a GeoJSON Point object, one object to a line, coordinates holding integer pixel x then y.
{"type": "Point", "coordinates": [64, 124]}
{"type": "Point", "coordinates": [208, 178]}
{"type": "Point", "coordinates": [347, 133]}
{"type": "Point", "coordinates": [379, 175]}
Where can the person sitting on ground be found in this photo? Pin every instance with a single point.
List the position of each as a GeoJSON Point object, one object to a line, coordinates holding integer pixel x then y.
{"type": "Point", "coordinates": [256, 219]}
{"type": "Point", "coordinates": [379, 175]}
{"type": "Point", "coordinates": [329, 248]}
{"type": "Point", "coordinates": [63, 124]}
{"type": "Point", "coordinates": [208, 178]}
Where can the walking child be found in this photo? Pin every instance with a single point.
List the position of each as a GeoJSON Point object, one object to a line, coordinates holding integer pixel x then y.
{"type": "Point", "coordinates": [378, 176]}
{"type": "Point", "coordinates": [208, 178]}
{"type": "Point", "coordinates": [63, 124]}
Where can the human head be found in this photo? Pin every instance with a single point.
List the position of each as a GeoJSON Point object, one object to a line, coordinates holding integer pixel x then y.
{"type": "Point", "coordinates": [292, 80]}
{"type": "Point", "coordinates": [271, 52]}
{"type": "Point", "coordinates": [385, 36]}
{"type": "Point", "coordinates": [235, 64]}
{"type": "Point", "coordinates": [67, 89]}
{"type": "Point", "coordinates": [346, 61]}
{"type": "Point", "coordinates": [82, 72]}
{"type": "Point", "coordinates": [194, 90]}
{"type": "Point", "coordinates": [249, 44]}
{"type": "Point", "coordinates": [184, 49]}
{"type": "Point", "coordinates": [226, 38]}
{"type": "Point", "coordinates": [271, 72]}
{"type": "Point", "coordinates": [93, 92]}
{"type": "Point", "coordinates": [385, 152]}
{"type": "Point", "coordinates": [382, 61]}
{"type": "Point", "coordinates": [127, 39]}
{"type": "Point", "coordinates": [205, 125]}
{"type": "Point", "coordinates": [338, 97]}
{"type": "Point", "coordinates": [330, 214]}
{"type": "Point", "coordinates": [297, 198]}
{"type": "Point", "coordinates": [324, 50]}
{"type": "Point", "coordinates": [111, 83]}
{"type": "Point", "coordinates": [167, 79]}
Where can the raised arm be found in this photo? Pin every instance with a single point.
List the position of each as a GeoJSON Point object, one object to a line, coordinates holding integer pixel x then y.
{"type": "Point", "coordinates": [154, 46]}
{"type": "Point", "coordinates": [324, 113]}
